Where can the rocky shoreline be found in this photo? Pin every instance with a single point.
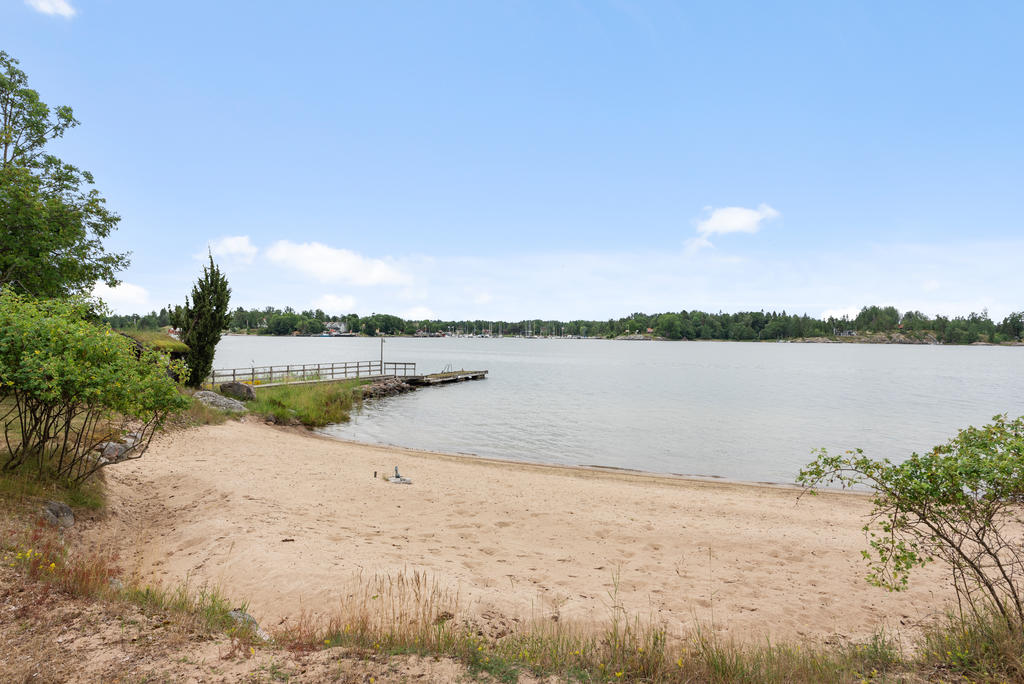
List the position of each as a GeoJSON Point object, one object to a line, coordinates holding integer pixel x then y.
{"type": "Point", "coordinates": [388, 387]}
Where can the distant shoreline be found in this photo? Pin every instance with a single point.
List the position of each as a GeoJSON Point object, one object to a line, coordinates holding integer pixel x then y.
{"type": "Point", "coordinates": [873, 338]}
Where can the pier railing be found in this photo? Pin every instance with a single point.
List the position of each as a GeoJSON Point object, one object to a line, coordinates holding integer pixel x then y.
{"type": "Point", "coordinates": [310, 372]}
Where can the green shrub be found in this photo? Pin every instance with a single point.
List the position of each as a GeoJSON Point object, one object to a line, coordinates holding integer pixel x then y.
{"type": "Point", "coordinates": [960, 503]}
{"type": "Point", "coordinates": [68, 385]}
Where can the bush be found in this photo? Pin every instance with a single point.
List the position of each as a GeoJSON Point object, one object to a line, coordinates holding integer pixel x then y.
{"type": "Point", "coordinates": [68, 385]}
{"type": "Point", "coordinates": [960, 503]}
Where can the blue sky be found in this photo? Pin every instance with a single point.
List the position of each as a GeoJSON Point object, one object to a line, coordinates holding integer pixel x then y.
{"type": "Point", "coordinates": [552, 159]}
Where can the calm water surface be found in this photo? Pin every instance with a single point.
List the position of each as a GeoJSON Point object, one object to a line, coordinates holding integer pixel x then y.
{"type": "Point", "coordinates": [743, 411]}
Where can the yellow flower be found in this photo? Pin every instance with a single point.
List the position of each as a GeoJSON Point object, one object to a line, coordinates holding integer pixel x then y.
{"type": "Point", "coordinates": [618, 674]}
{"type": "Point", "coordinates": [53, 566]}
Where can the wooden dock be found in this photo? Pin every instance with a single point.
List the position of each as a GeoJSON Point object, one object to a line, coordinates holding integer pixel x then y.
{"type": "Point", "coordinates": [446, 377]}
{"type": "Point", "coordinates": [308, 373]}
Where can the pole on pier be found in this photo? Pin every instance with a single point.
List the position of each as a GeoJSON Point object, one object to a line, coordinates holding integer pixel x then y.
{"type": "Point", "coordinates": [382, 356]}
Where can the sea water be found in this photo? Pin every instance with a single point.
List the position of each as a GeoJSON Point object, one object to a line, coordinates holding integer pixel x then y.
{"type": "Point", "coordinates": [743, 411]}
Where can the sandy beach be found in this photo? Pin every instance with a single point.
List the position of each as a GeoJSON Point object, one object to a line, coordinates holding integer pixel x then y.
{"type": "Point", "coordinates": [288, 521]}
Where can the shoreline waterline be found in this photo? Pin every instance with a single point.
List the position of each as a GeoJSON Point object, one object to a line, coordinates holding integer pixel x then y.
{"type": "Point", "coordinates": [582, 467]}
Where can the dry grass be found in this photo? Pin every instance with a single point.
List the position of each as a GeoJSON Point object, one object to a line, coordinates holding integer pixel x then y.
{"type": "Point", "coordinates": [411, 613]}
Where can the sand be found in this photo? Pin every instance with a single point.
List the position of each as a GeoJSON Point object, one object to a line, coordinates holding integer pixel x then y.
{"type": "Point", "coordinates": [288, 520]}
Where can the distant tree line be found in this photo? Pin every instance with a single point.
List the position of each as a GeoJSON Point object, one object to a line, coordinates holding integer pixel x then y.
{"type": "Point", "coordinates": [688, 325]}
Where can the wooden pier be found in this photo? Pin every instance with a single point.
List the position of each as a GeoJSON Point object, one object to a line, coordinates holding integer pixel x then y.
{"type": "Point", "coordinates": [446, 377]}
{"type": "Point", "coordinates": [307, 373]}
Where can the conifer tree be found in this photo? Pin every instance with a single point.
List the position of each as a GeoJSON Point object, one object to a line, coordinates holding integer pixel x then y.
{"type": "Point", "coordinates": [202, 320]}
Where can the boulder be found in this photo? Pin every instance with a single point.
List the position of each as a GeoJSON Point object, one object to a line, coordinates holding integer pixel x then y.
{"type": "Point", "coordinates": [113, 451]}
{"type": "Point", "coordinates": [238, 390]}
{"type": "Point", "coordinates": [58, 514]}
{"type": "Point", "coordinates": [386, 388]}
{"type": "Point", "coordinates": [217, 401]}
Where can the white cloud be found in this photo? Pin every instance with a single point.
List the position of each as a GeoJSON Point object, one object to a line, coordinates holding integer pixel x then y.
{"type": "Point", "coordinates": [596, 285]}
{"type": "Point", "coordinates": [331, 265]}
{"type": "Point", "coordinates": [239, 247]}
{"type": "Point", "coordinates": [930, 285]}
{"type": "Point", "coordinates": [418, 313]}
{"type": "Point", "coordinates": [414, 294]}
{"type": "Point", "coordinates": [333, 304]}
{"type": "Point", "coordinates": [61, 7]}
{"type": "Point", "coordinates": [124, 298]}
{"type": "Point", "coordinates": [729, 220]}
{"type": "Point", "coordinates": [695, 244]}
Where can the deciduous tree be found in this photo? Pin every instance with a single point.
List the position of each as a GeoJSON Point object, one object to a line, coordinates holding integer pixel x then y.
{"type": "Point", "coordinates": [52, 224]}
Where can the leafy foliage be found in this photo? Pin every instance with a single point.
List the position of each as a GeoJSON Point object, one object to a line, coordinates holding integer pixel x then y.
{"type": "Point", "coordinates": [51, 223]}
{"type": "Point", "coordinates": [202, 321]}
{"type": "Point", "coordinates": [68, 385]}
{"type": "Point", "coordinates": [960, 503]}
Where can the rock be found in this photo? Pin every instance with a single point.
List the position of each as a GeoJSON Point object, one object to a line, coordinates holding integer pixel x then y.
{"type": "Point", "coordinates": [59, 514]}
{"type": "Point", "coordinates": [217, 401]}
{"type": "Point", "coordinates": [243, 619]}
{"type": "Point", "coordinates": [238, 390]}
{"type": "Point", "coordinates": [386, 388]}
{"type": "Point", "coordinates": [114, 451]}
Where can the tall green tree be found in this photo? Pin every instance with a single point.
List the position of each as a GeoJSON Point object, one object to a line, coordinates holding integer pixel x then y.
{"type": "Point", "coordinates": [202, 321]}
{"type": "Point", "coordinates": [52, 224]}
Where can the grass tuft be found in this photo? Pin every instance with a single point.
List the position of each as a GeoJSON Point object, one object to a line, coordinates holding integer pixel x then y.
{"type": "Point", "coordinates": [400, 614]}
{"type": "Point", "coordinates": [22, 487]}
{"type": "Point", "coordinates": [978, 647]}
{"type": "Point", "coordinates": [314, 404]}
{"type": "Point", "coordinates": [156, 339]}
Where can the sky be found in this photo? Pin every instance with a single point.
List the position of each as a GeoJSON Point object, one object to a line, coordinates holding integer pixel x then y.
{"type": "Point", "coordinates": [548, 159]}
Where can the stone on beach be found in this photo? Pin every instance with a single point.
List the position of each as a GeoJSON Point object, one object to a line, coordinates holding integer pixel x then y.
{"type": "Point", "coordinates": [217, 401]}
{"type": "Point", "coordinates": [58, 514]}
{"type": "Point", "coordinates": [238, 390]}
